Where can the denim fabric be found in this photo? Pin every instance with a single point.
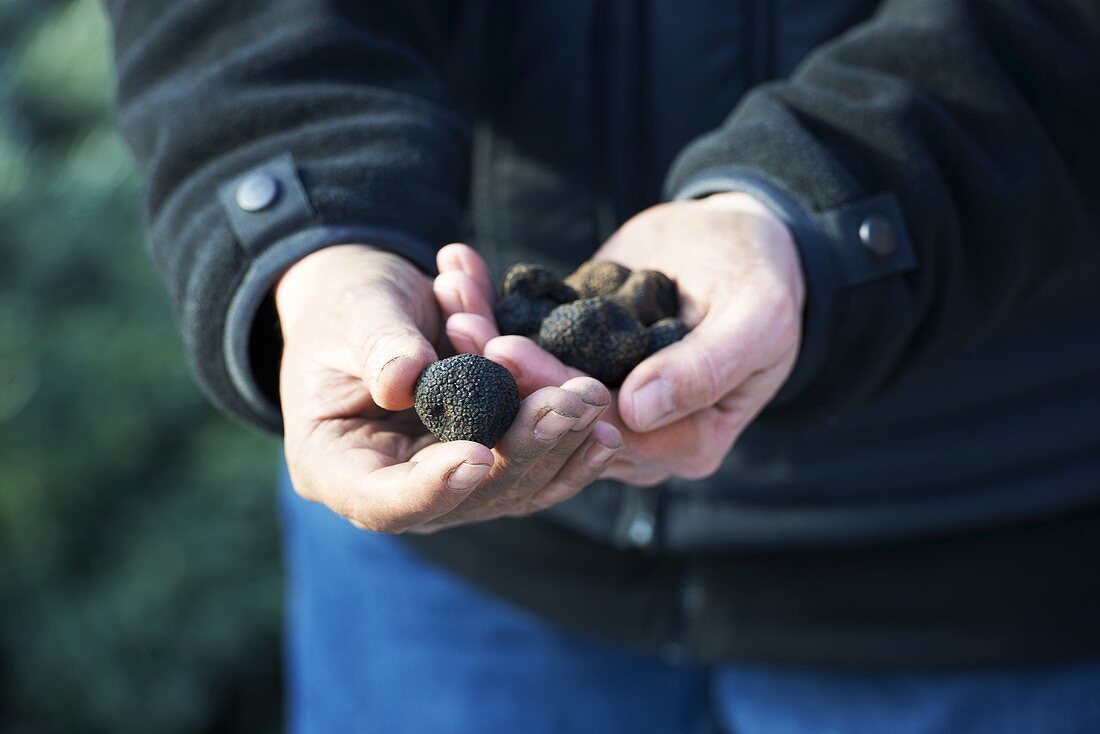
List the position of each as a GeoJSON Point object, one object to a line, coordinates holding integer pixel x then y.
{"type": "Point", "coordinates": [378, 640]}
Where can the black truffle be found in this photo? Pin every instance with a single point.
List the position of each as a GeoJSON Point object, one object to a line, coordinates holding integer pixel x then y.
{"type": "Point", "coordinates": [535, 281]}
{"type": "Point", "coordinates": [467, 398]}
{"type": "Point", "coordinates": [665, 332]}
{"type": "Point", "coordinates": [519, 314]}
{"type": "Point", "coordinates": [595, 335]}
{"type": "Point", "coordinates": [598, 278]}
{"type": "Point", "coordinates": [649, 296]}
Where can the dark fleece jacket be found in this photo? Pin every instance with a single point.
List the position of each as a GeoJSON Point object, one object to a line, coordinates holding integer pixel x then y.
{"type": "Point", "coordinates": [911, 495]}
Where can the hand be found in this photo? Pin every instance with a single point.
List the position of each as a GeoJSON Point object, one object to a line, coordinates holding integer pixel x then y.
{"type": "Point", "coordinates": [681, 410]}
{"type": "Point", "coordinates": [359, 326]}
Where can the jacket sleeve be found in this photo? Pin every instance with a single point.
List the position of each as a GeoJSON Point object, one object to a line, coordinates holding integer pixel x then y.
{"type": "Point", "coordinates": [939, 165]}
{"type": "Point", "coordinates": [267, 130]}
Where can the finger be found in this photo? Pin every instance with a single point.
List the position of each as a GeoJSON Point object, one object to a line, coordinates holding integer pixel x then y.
{"type": "Point", "coordinates": [696, 447]}
{"type": "Point", "coordinates": [531, 365]}
{"type": "Point", "coordinates": [458, 293]}
{"type": "Point", "coordinates": [678, 448]}
{"type": "Point", "coordinates": [545, 418]}
{"type": "Point", "coordinates": [469, 333]}
{"type": "Point", "coordinates": [533, 368]}
{"type": "Point", "coordinates": [395, 361]}
{"type": "Point", "coordinates": [377, 494]}
{"type": "Point", "coordinates": [465, 259]}
{"type": "Point", "coordinates": [692, 374]}
{"type": "Point", "coordinates": [743, 404]}
{"type": "Point", "coordinates": [583, 467]}
{"type": "Point", "coordinates": [682, 445]}
{"type": "Point", "coordinates": [450, 301]}
{"type": "Point", "coordinates": [595, 398]}
{"type": "Point", "coordinates": [394, 351]}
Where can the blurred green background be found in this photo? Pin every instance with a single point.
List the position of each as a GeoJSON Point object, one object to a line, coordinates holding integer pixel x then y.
{"type": "Point", "coordinates": [139, 568]}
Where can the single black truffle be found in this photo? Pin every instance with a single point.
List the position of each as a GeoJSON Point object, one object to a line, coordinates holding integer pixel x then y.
{"type": "Point", "coordinates": [649, 296]}
{"type": "Point", "coordinates": [598, 278]}
{"type": "Point", "coordinates": [595, 335]}
{"type": "Point", "coordinates": [467, 398]}
{"type": "Point", "coordinates": [519, 314]}
{"type": "Point", "coordinates": [665, 332]}
{"type": "Point", "coordinates": [535, 281]}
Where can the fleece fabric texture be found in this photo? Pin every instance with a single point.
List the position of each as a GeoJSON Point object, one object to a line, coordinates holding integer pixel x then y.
{"type": "Point", "coordinates": [210, 89]}
{"type": "Point", "coordinates": [947, 388]}
{"type": "Point", "coordinates": [982, 118]}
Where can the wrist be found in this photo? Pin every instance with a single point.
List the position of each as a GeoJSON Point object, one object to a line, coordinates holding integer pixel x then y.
{"type": "Point", "coordinates": [328, 273]}
{"type": "Point", "coordinates": [741, 202]}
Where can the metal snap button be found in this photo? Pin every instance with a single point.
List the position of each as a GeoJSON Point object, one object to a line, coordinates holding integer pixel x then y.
{"type": "Point", "coordinates": [877, 235]}
{"type": "Point", "coordinates": [257, 192]}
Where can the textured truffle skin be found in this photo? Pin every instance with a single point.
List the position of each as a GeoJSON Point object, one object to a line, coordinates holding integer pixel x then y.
{"type": "Point", "coordinates": [649, 296]}
{"type": "Point", "coordinates": [517, 313]}
{"type": "Point", "coordinates": [598, 278]}
{"type": "Point", "coordinates": [467, 398]}
{"type": "Point", "coordinates": [596, 335]}
{"type": "Point", "coordinates": [535, 281]}
{"type": "Point", "coordinates": [665, 332]}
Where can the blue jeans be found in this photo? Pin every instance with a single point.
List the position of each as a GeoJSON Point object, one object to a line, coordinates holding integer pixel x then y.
{"type": "Point", "coordinates": [380, 641]}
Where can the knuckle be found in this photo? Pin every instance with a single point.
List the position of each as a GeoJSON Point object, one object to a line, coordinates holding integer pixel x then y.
{"type": "Point", "coordinates": [564, 402]}
{"type": "Point", "coordinates": [520, 453]}
{"type": "Point", "coordinates": [710, 378]}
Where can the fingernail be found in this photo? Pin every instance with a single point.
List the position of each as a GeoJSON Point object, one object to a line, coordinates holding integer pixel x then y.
{"type": "Point", "coordinates": [653, 402]}
{"type": "Point", "coordinates": [553, 425]}
{"type": "Point", "coordinates": [467, 475]}
{"type": "Point", "coordinates": [599, 454]}
{"type": "Point", "coordinates": [590, 414]}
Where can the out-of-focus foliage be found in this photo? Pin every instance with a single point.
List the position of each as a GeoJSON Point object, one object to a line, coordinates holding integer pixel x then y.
{"type": "Point", "coordinates": [139, 581]}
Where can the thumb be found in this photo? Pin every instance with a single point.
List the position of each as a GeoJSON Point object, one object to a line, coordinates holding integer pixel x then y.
{"type": "Point", "coordinates": [690, 375]}
{"type": "Point", "coordinates": [368, 307]}
{"type": "Point", "coordinates": [395, 352]}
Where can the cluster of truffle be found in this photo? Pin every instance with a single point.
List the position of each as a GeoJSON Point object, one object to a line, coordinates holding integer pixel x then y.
{"type": "Point", "coordinates": [603, 319]}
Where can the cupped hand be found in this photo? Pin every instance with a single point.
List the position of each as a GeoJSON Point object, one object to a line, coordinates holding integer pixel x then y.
{"type": "Point", "coordinates": [681, 409]}
{"type": "Point", "coordinates": [359, 326]}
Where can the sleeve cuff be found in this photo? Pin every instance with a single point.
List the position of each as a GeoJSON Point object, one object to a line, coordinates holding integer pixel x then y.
{"type": "Point", "coordinates": [274, 223]}
{"type": "Point", "coordinates": [839, 248]}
